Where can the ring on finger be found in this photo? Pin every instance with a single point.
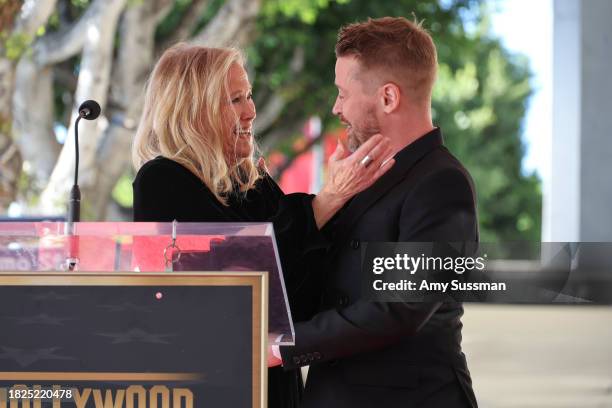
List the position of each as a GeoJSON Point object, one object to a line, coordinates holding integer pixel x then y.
{"type": "Point", "coordinates": [366, 160]}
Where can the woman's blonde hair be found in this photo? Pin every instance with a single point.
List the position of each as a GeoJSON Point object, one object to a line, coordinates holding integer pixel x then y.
{"type": "Point", "coordinates": [187, 116]}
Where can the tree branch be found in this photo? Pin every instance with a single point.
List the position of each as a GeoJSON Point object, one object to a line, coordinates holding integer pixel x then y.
{"type": "Point", "coordinates": [93, 83]}
{"type": "Point", "coordinates": [185, 27]}
{"type": "Point", "coordinates": [280, 132]}
{"type": "Point", "coordinates": [273, 108]}
{"type": "Point", "coordinates": [34, 14]}
{"type": "Point", "coordinates": [24, 19]}
{"type": "Point", "coordinates": [60, 46]}
{"type": "Point", "coordinates": [132, 66]}
{"type": "Point", "coordinates": [229, 24]}
{"type": "Point", "coordinates": [269, 113]}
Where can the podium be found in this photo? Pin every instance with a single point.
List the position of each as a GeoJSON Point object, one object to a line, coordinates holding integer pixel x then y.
{"type": "Point", "coordinates": [139, 314]}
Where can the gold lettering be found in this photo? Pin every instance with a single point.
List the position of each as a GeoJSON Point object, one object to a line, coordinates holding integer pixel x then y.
{"type": "Point", "coordinates": [81, 399]}
{"type": "Point", "coordinates": [159, 390]}
{"type": "Point", "coordinates": [108, 399]}
{"type": "Point", "coordinates": [131, 392]}
{"type": "Point", "coordinates": [184, 394]}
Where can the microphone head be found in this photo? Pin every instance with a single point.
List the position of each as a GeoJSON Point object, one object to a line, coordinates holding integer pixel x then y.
{"type": "Point", "coordinates": [89, 110]}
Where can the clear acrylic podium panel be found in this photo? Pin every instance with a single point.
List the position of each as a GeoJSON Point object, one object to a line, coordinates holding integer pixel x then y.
{"type": "Point", "coordinates": [146, 247]}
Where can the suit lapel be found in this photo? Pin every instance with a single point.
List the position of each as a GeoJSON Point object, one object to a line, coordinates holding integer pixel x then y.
{"type": "Point", "coordinates": [405, 159]}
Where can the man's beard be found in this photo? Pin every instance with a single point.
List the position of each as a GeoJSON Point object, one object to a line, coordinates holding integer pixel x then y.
{"type": "Point", "coordinates": [362, 131]}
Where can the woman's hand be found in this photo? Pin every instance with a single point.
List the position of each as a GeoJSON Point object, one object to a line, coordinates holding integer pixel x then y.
{"type": "Point", "coordinates": [349, 174]}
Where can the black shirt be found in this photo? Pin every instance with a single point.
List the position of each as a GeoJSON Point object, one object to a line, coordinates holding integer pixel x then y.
{"type": "Point", "coordinates": [165, 191]}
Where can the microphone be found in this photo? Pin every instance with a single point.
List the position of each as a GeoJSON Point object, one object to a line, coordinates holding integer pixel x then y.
{"type": "Point", "coordinates": [89, 110]}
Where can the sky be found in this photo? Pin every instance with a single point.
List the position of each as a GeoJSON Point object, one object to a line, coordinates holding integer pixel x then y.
{"type": "Point", "coordinates": [526, 27]}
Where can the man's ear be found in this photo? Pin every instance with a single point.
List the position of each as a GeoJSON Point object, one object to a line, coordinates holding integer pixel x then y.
{"type": "Point", "coordinates": [390, 97]}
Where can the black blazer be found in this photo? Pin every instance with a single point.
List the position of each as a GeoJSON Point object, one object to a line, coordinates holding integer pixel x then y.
{"type": "Point", "coordinates": [164, 191]}
{"type": "Point", "coordinates": [365, 354]}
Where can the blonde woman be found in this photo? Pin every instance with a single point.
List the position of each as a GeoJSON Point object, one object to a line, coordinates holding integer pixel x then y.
{"type": "Point", "coordinates": [194, 151]}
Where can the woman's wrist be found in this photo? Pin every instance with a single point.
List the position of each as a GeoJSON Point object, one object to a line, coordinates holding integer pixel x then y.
{"type": "Point", "coordinates": [333, 199]}
{"type": "Point", "coordinates": [325, 205]}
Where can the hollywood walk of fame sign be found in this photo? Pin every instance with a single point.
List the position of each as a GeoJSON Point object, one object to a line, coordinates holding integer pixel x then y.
{"type": "Point", "coordinates": [126, 339]}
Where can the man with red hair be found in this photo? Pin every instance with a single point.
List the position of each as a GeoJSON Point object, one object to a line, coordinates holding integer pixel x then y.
{"type": "Point", "coordinates": [396, 354]}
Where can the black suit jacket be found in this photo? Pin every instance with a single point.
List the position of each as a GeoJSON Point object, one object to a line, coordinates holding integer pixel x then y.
{"type": "Point", "coordinates": [365, 354]}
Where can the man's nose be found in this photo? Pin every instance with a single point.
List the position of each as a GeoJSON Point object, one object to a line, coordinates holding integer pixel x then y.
{"type": "Point", "coordinates": [336, 109]}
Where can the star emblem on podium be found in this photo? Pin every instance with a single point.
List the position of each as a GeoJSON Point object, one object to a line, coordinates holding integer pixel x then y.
{"type": "Point", "coordinates": [42, 318]}
{"type": "Point", "coordinates": [26, 357]}
{"type": "Point", "coordinates": [137, 335]}
{"type": "Point", "coordinates": [52, 296]}
{"type": "Point", "coordinates": [126, 307]}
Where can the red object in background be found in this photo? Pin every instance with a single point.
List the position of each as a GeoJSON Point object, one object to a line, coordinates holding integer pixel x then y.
{"type": "Point", "coordinates": [297, 178]}
{"type": "Point", "coordinates": [330, 141]}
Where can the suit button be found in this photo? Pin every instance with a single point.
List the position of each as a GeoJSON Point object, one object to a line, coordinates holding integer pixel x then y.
{"type": "Point", "coordinates": [296, 360]}
{"type": "Point", "coordinates": [355, 243]}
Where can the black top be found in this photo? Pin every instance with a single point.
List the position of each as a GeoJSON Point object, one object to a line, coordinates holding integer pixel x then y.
{"type": "Point", "coordinates": [165, 191]}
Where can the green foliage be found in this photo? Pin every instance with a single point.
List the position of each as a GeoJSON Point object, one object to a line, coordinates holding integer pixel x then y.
{"type": "Point", "coordinates": [480, 107]}
{"type": "Point", "coordinates": [304, 10]}
{"type": "Point", "coordinates": [281, 30]}
{"type": "Point", "coordinates": [67, 13]}
{"type": "Point", "coordinates": [479, 100]}
{"type": "Point", "coordinates": [80, 4]}
{"type": "Point", "coordinates": [122, 193]}
{"type": "Point", "coordinates": [15, 45]}
{"type": "Point", "coordinates": [134, 3]}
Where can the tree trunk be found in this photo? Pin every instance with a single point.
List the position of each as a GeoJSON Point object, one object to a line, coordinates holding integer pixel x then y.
{"type": "Point", "coordinates": [268, 114]}
{"type": "Point", "coordinates": [93, 83]}
{"type": "Point", "coordinates": [231, 26]}
{"type": "Point", "coordinates": [19, 20]}
{"type": "Point", "coordinates": [33, 120]}
{"type": "Point", "coordinates": [187, 25]}
{"type": "Point", "coordinates": [33, 100]}
{"type": "Point", "coordinates": [10, 159]}
{"type": "Point", "coordinates": [133, 64]}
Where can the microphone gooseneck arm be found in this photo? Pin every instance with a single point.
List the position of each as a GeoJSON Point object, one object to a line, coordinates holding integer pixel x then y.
{"type": "Point", "coordinates": [89, 110]}
{"type": "Point", "coordinates": [76, 150]}
{"type": "Point", "coordinates": [74, 202]}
